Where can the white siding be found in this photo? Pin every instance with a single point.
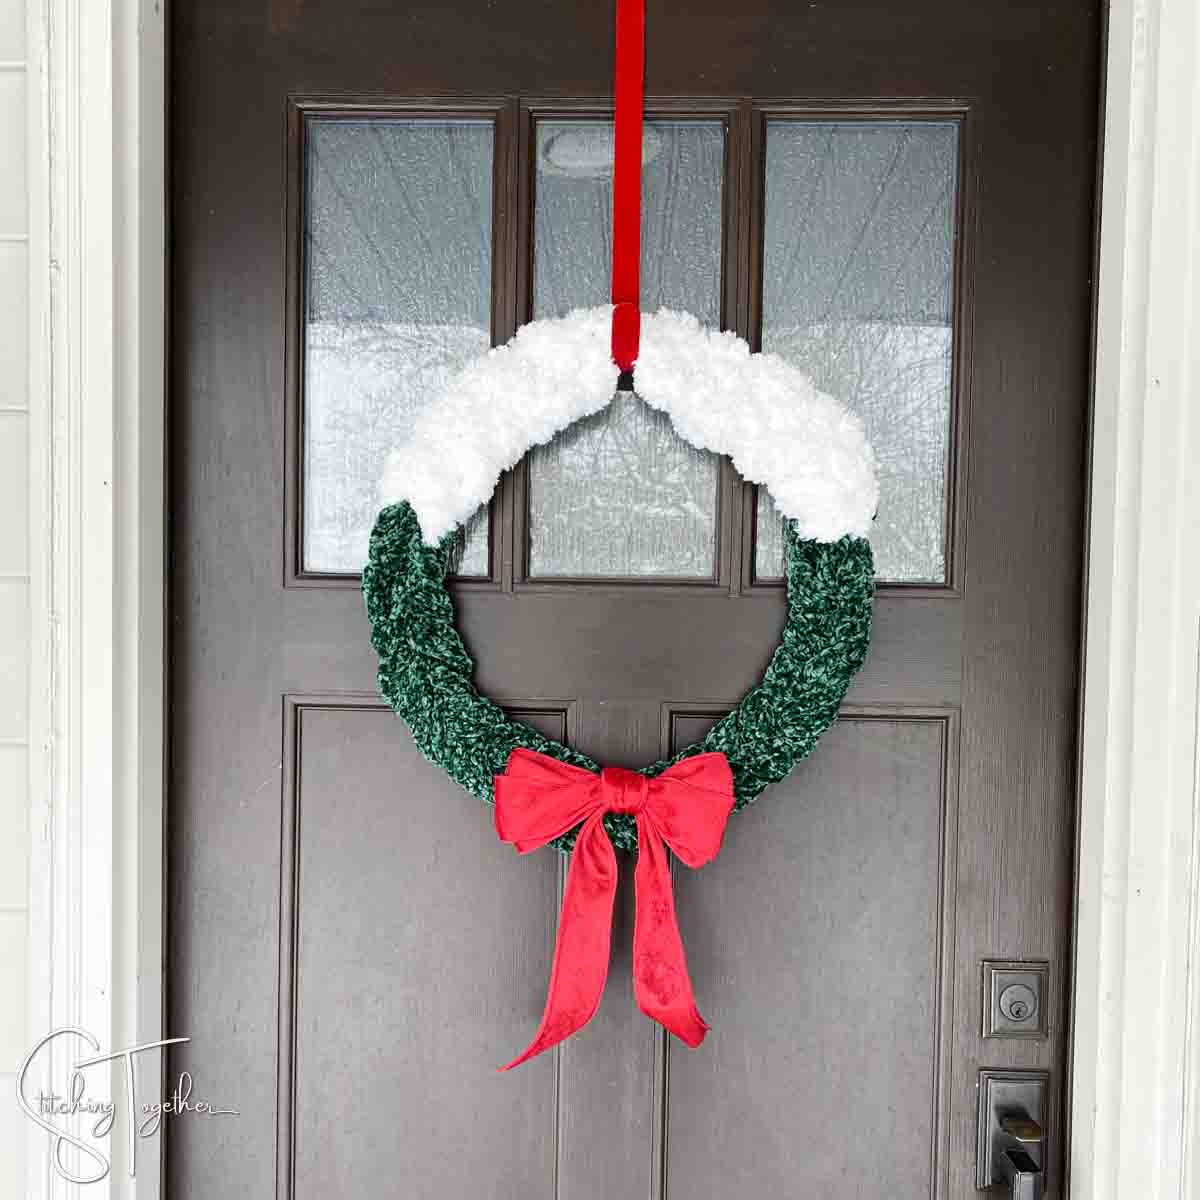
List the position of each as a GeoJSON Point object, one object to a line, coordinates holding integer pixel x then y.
{"type": "Point", "coordinates": [14, 589]}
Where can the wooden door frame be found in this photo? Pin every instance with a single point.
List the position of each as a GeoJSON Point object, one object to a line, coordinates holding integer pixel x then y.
{"type": "Point", "coordinates": [97, 272]}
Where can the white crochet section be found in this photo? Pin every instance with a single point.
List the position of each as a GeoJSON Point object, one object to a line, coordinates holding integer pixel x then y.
{"type": "Point", "coordinates": [807, 449]}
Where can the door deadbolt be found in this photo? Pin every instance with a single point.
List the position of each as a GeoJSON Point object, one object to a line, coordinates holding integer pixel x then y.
{"type": "Point", "coordinates": [1014, 998]}
{"type": "Point", "coordinates": [1018, 1002]}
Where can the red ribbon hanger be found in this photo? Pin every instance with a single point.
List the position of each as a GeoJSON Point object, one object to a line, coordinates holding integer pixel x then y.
{"type": "Point", "coordinates": [627, 182]}
{"type": "Point", "coordinates": [539, 798]}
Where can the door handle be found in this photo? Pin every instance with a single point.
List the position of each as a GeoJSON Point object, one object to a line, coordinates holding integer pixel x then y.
{"type": "Point", "coordinates": [1018, 1134]}
{"type": "Point", "coordinates": [1011, 1132]}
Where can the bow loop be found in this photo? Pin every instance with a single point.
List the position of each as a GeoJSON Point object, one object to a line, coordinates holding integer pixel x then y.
{"type": "Point", "coordinates": [539, 798]}
{"type": "Point", "coordinates": [690, 803]}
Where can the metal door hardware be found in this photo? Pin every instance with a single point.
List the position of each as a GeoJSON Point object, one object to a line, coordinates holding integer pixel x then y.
{"type": "Point", "coordinates": [1018, 1003]}
{"type": "Point", "coordinates": [1011, 1147]}
{"type": "Point", "coordinates": [1015, 999]}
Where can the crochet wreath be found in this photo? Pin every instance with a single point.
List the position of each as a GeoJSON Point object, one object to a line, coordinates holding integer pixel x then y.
{"type": "Point", "coordinates": [778, 429]}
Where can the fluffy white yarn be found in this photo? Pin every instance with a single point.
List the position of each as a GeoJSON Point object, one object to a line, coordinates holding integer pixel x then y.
{"type": "Point", "coordinates": [807, 449]}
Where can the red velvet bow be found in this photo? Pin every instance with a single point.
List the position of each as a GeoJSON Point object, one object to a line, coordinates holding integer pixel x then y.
{"type": "Point", "coordinates": [539, 798]}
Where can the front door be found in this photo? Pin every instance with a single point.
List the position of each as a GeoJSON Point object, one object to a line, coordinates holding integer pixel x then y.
{"type": "Point", "coordinates": [897, 198]}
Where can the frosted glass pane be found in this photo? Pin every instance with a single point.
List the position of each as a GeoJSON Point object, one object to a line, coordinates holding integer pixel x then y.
{"type": "Point", "coordinates": [620, 494]}
{"type": "Point", "coordinates": [858, 275]}
{"type": "Point", "coordinates": [623, 495]}
{"type": "Point", "coordinates": [399, 271]}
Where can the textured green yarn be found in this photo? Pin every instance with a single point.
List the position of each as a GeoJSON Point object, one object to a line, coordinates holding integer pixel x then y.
{"type": "Point", "coordinates": [425, 670]}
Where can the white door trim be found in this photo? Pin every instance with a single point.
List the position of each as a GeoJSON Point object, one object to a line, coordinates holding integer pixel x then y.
{"type": "Point", "coordinates": [1136, 1059]}
{"type": "Point", "coordinates": [97, 337]}
{"type": "Point", "coordinates": [97, 255]}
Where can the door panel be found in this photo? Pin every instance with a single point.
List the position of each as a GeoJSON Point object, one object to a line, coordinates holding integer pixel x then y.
{"type": "Point", "coordinates": [350, 949]}
{"type": "Point", "coordinates": [819, 928]}
{"type": "Point", "coordinates": [379, 970]}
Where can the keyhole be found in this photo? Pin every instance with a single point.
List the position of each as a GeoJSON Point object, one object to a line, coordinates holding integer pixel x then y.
{"type": "Point", "coordinates": [1018, 1002]}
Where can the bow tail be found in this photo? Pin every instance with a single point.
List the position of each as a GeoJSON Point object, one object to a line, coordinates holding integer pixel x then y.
{"type": "Point", "coordinates": [584, 936]}
{"type": "Point", "coordinates": [661, 983]}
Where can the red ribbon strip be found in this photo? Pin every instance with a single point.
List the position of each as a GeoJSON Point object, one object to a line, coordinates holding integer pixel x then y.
{"type": "Point", "coordinates": [539, 798]}
{"type": "Point", "coordinates": [627, 180]}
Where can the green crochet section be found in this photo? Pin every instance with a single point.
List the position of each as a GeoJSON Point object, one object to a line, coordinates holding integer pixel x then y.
{"type": "Point", "coordinates": [425, 670]}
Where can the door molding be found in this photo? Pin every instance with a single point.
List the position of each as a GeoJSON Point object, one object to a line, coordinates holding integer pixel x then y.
{"type": "Point", "coordinates": [97, 255]}
{"type": "Point", "coordinates": [1136, 1009]}
{"type": "Point", "coordinates": [97, 342]}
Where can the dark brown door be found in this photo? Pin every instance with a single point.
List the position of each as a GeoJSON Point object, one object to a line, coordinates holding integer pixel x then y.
{"type": "Point", "coordinates": [898, 197]}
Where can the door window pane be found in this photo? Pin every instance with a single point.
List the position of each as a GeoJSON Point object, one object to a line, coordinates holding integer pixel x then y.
{"type": "Point", "coordinates": [858, 271]}
{"type": "Point", "coordinates": [621, 494]}
{"type": "Point", "coordinates": [399, 270]}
